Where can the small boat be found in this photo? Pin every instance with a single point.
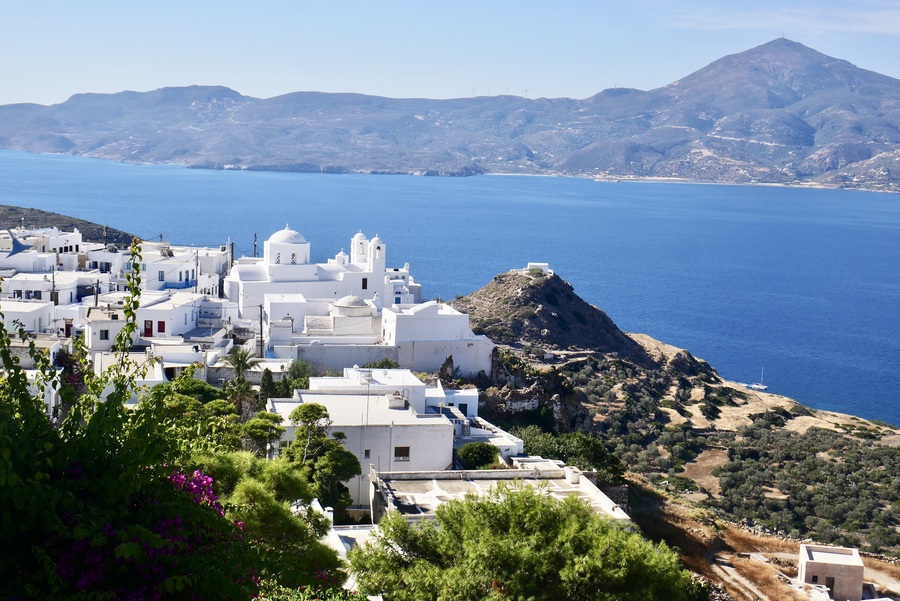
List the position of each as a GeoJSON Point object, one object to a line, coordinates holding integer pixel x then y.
{"type": "Point", "coordinates": [761, 384]}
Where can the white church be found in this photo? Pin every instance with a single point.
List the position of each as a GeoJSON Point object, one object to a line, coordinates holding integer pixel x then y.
{"type": "Point", "coordinates": [353, 309]}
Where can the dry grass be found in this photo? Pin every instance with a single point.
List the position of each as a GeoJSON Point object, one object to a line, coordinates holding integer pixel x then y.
{"type": "Point", "coordinates": [768, 579]}
{"type": "Point", "coordinates": [741, 541]}
{"type": "Point", "coordinates": [884, 567]}
{"type": "Point", "coordinates": [700, 469]}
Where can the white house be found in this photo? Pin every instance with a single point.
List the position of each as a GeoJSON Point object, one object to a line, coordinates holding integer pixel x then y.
{"type": "Point", "coordinates": [380, 429]}
{"type": "Point", "coordinates": [385, 416]}
{"type": "Point", "coordinates": [34, 315]}
{"type": "Point", "coordinates": [161, 314]}
{"type": "Point", "coordinates": [164, 266]}
{"type": "Point", "coordinates": [425, 334]}
{"type": "Point", "coordinates": [61, 287]}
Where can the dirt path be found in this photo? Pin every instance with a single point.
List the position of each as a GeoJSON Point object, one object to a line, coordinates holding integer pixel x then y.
{"type": "Point", "coordinates": [721, 565]}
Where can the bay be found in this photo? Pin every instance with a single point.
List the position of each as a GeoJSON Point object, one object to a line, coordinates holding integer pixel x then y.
{"type": "Point", "coordinates": [804, 282]}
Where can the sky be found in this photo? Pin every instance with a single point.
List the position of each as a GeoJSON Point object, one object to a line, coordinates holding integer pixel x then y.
{"type": "Point", "coordinates": [50, 50]}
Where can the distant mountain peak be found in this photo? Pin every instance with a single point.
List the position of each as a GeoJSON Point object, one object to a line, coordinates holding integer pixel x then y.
{"type": "Point", "coordinates": [777, 113]}
{"type": "Point", "coordinates": [773, 75]}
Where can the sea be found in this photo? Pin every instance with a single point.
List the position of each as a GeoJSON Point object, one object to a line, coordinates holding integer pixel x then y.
{"type": "Point", "coordinates": [802, 283]}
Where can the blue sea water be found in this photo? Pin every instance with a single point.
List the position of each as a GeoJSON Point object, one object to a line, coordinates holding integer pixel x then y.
{"type": "Point", "coordinates": [803, 282]}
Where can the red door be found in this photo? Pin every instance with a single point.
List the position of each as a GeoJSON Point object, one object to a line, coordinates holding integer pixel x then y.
{"type": "Point", "coordinates": [148, 328]}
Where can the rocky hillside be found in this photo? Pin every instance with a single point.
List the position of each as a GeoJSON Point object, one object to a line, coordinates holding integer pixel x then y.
{"type": "Point", "coordinates": [11, 217]}
{"type": "Point", "coordinates": [760, 460]}
{"type": "Point", "coordinates": [543, 311]}
{"type": "Point", "coordinates": [778, 113]}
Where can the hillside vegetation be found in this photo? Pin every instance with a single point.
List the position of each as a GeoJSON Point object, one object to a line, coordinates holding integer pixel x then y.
{"type": "Point", "coordinates": [755, 459]}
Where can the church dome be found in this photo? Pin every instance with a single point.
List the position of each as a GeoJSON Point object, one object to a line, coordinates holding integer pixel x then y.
{"type": "Point", "coordinates": [359, 236]}
{"type": "Point", "coordinates": [287, 236]}
{"type": "Point", "coordinates": [377, 240]}
{"type": "Point", "coordinates": [351, 300]}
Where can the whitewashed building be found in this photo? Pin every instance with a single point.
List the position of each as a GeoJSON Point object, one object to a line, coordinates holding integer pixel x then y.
{"type": "Point", "coordinates": [387, 417]}
{"type": "Point", "coordinates": [350, 310]}
{"type": "Point", "coordinates": [426, 334]}
{"type": "Point", "coordinates": [34, 315]}
{"type": "Point", "coordinates": [161, 314]}
{"type": "Point", "coordinates": [285, 268]}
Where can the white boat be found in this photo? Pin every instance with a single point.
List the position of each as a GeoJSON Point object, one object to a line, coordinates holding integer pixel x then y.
{"type": "Point", "coordinates": [761, 384]}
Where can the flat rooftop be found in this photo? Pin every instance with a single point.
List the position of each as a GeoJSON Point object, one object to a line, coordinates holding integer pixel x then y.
{"type": "Point", "coordinates": [420, 494]}
{"type": "Point", "coordinates": [361, 377]}
{"type": "Point", "coordinates": [353, 409]}
{"type": "Point", "coordinates": [833, 555]}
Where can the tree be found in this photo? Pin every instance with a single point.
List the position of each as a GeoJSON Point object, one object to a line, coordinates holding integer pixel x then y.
{"type": "Point", "coordinates": [296, 376]}
{"type": "Point", "coordinates": [577, 449]}
{"type": "Point", "coordinates": [96, 505]}
{"type": "Point", "coordinates": [262, 430]}
{"type": "Point", "coordinates": [241, 360]}
{"type": "Point", "coordinates": [240, 393]}
{"type": "Point", "coordinates": [517, 543]}
{"type": "Point", "coordinates": [477, 455]}
{"type": "Point", "coordinates": [266, 386]}
{"type": "Point", "coordinates": [312, 422]}
{"type": "Point", "coordinates": [325, 459]}
{"type": "Point", "coordinates": [381, 364]}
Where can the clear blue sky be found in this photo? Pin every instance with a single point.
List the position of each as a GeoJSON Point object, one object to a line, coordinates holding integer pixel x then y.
{"type": "Point", "coordinates": [50, 50]}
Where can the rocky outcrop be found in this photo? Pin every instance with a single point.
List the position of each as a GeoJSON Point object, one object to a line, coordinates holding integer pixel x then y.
{"type": "Point", "coordinates": [543, 311]}
{"type": "Point", "coordinates": [35, 218]}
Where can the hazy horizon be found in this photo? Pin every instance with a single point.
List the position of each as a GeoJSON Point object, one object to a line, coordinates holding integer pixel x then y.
{"type": "Point", "coordinates": [413, 50]}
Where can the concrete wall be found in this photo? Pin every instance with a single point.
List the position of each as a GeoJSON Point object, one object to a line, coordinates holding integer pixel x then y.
{"type": "Point", "coordinates": [470, 356]}
{"type": "Point", "coordinates": [336, 357]}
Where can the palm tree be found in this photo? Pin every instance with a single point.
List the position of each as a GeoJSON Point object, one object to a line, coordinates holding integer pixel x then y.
{"type": "Point", "coordinates": [241, 360]}
{"type": "Point", "coordinates": [240, 391]}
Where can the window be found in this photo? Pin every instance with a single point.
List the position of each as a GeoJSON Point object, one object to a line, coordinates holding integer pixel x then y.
{"type": "Point", "coordinates": [396, 300]}
{"type": "Point", "coordinates": [365, 284]}
{"type": "Point", "coordinates": [193, 274]}
{"type": "Point", "coordinates": [162, 276]}
{"type": "Point", "coordinates": [815, 580]}
{"type": "Point", "coordinates": [366, 454]}
{"type": "Point", "coordinates": [104, 334]}
{"type": "Point", "coordinates": [278, 257]}
{"type": "Point", "coordinates": [179, 276]}
{"type": "Point", "coordinates": [293, 258]}
{"type": "Point", "coordinates": [161, 327]}
{"type": "Point", "coordinates": [401, 453]}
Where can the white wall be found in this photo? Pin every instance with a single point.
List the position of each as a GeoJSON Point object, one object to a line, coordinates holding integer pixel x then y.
{"type": "Point", "coordinates": [430, 448]}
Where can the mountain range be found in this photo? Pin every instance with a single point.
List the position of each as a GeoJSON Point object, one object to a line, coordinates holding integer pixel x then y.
{"type": "Point", "coordinates": [778, 113]}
